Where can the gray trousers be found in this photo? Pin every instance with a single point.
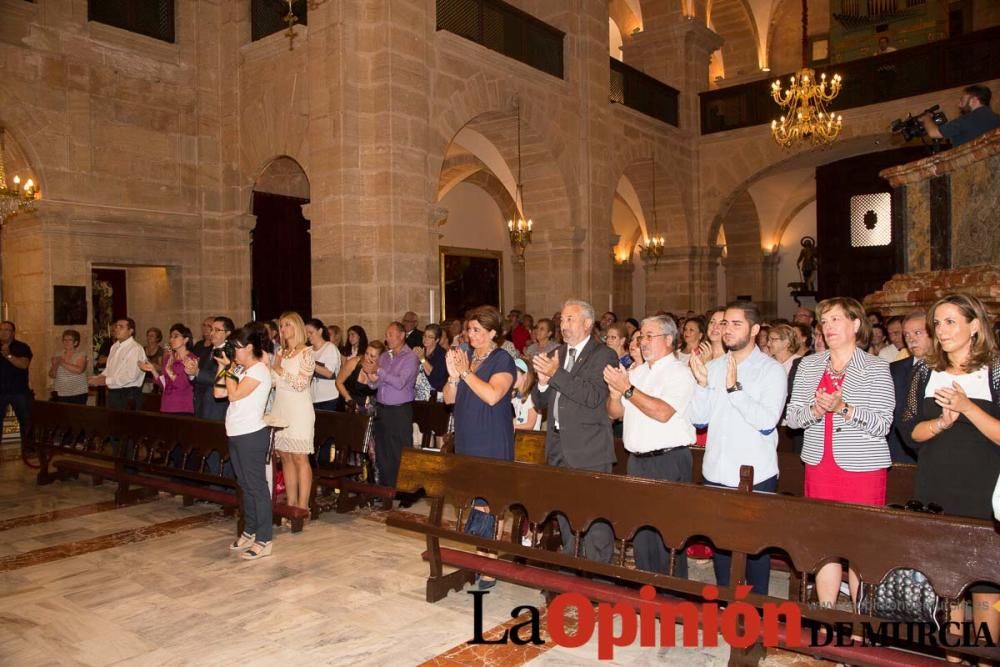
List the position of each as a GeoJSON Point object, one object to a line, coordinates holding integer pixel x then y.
{"type": "Point", "coordinates": [598, 541]}
{"type": "Point", "coordinates": [674, 465]}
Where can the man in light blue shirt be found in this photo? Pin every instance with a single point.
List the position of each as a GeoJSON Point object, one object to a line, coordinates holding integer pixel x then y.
{"type": "Point", "coordinates": [740, 397]}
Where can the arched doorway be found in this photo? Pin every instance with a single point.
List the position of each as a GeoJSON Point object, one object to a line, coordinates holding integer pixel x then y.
{"type": "Point", "coordinates": [280, 244]}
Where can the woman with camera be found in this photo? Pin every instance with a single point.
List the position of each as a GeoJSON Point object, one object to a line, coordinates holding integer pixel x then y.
{"type": "Point", "coordinates": [292, 371]}
{"type": "Point", "coordinates": [246, 384]}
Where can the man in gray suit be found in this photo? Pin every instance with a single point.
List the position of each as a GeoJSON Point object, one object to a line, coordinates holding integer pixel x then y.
{"type": "Point", "coordinates": [572, 390]}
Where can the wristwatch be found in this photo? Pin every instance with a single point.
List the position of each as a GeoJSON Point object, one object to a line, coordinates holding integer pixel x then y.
{"type": "Point", "coordinates": [628, 392]}
{"type": "Point", "coordinates": [735, 387]}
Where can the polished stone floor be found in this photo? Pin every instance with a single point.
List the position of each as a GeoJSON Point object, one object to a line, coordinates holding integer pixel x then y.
{"type": "Point", "coordinates": [85, 583]}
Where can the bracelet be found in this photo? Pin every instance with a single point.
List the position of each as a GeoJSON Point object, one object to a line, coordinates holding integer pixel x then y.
{"type": "Point", "coordinates": [454, 381]}
{"type": "Point", "coordinates": [463, 375]}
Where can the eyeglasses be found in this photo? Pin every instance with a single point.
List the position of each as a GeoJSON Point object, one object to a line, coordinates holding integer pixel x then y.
{"type": "Point", "coordinates": [640, 337]}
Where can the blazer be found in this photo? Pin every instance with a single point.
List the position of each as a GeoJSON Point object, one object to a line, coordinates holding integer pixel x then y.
{"type": "Point", "coordinates": [901, 372]}
{"type": "Point", "coordinates": [584, 439]}
{"type": "Point", "coordinates": [859, 445]}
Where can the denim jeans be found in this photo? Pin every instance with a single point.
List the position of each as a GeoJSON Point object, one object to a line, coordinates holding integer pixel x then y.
{"type": "Point", "coordinates": [758, 567]}
{"type": "Point", "coordinates": [248, 454]}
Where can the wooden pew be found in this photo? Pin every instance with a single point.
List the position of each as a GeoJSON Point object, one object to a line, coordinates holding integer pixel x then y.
{"type": "Point", "coordinates": [141, 449]}
{"type": "Point", "coordinates": [342, 464]}
{"type": "Point", "coordinates": [432, 418]}
{"type": "Point", "coordinates": [874, 540]}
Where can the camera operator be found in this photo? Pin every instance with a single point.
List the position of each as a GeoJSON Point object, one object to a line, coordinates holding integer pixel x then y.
{"type": "Point", "coordinates": [976, 119]}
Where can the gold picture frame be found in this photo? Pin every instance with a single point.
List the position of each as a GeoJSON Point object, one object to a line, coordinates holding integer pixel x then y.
{"type": "Point", "coordinates": [469, 277]}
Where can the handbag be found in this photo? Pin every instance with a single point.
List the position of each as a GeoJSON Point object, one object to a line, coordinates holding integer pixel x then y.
{"type": "Point", "coordinates": [905, 594]}
{"type": "Point", "coordinates": [481, 524]}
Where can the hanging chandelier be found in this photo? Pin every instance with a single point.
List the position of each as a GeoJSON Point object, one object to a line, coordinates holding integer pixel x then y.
{"type": "Point", "coordinates": [16, 197]}
{"type": "Point", "coordinates": [519, 229]}
{"type": "Point", "coordinates": [652, 250]}
{"type": "Point", "coordinates": [806, 118]}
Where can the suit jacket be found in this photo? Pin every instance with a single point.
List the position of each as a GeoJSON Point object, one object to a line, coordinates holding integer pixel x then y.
{"type": "Point", "coordinates": [414, 339]}
{"type": "Point", "coordinates": [584, 439]}
{"type": "Point", "coordinates": [902, 372]}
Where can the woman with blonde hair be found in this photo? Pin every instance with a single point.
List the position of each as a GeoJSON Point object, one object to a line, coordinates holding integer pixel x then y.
{"type": "Point", "coordinates": [844, 400]}
{"type": "Point", "coordinates": [783, 345]}
{"type": "Point", "coordinates": [292, 371]}
{"type": "Point", "coordinates": [952, 419]}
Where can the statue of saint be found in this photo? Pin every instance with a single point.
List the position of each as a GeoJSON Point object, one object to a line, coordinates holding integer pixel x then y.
{"type": "Point", "coordinates": [807, 262]}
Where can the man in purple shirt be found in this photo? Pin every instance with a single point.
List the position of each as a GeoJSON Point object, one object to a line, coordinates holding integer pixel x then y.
{"type": "Point", "coordinates": [395, 378]}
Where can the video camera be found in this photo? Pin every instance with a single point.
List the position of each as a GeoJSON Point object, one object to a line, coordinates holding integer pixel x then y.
{"type": "Point", "coordinates": [912, 127]}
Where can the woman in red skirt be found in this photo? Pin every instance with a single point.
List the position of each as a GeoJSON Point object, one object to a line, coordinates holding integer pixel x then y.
{"type": "Point", "coordinates": [844, 399]}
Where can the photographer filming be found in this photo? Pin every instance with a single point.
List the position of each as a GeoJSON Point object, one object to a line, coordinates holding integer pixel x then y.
{"type": "Point", "coordinates": [976, 119]}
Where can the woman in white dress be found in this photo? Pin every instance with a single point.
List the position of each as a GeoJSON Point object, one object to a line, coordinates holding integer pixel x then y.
{"type": "Point", "coordinates": [292, 371]}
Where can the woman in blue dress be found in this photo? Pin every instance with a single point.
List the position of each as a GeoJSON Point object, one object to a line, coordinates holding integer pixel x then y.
{"type": "Point", "coordinates": [480, 389]}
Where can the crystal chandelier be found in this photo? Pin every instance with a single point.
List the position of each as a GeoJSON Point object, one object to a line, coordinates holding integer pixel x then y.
{"type": "Point", "coordinates": [519, 229]}
{"type": "Point", "coordinates": [653, 248]}
{"type": "Point", "coordinates": [16, 197]}
{"type": "Point", "coordinates": [806, 118]}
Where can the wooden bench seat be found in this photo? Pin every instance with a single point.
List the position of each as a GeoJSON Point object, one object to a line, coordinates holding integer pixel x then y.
{"type": "Point", "coordinates": [138, 449]}
{"type": "Point", "coordinates": [345, 470]}
{"type": "Point", "coordinates": [809, 533]}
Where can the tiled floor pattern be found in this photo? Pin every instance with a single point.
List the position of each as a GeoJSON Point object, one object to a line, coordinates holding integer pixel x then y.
{"type": "Point", "coordinates": [153, 584]}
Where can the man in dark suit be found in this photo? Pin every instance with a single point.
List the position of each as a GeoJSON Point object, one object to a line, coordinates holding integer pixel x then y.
{"type": "Point", "coordinates": [210, 407]}
{"type": "Point", "coordinates": [918, 343]}
{"type": "Point", "coordinates": [571, 389]}
{"type": "Point", "coordinates": [414, 336]}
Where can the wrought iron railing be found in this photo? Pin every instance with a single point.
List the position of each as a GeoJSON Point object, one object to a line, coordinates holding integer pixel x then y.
{"type": "Point", "coordinates": [153, 18]}
{"type": "Point", "coordinates": [643, 93]}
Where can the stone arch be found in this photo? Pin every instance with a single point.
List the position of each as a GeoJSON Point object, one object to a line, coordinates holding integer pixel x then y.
{"type": "Point", "coordinates": [283, 175]}
{"type": "Point", "coordinates": [672, 201]}
{"type": "Point", "coordinates": [481, 106]}
{"type": "Point", "coordinates": [734, 21]}
{"type": "Point", "coordinates": [21, 129]}
{"type": "Point", "coordinates": [784, 33]}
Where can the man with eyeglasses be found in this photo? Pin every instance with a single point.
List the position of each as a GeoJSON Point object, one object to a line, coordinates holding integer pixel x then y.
{"type": "Point", "coordinates": [918, 343]}
{"type": "Point", "coordinates": [414, 337]}
{"type": "Point", "coordinates": [652, 401]}
{"type": "Point", "coordinates": [207, 406]}
{"type": "Point", "coordinates": [740, 397]}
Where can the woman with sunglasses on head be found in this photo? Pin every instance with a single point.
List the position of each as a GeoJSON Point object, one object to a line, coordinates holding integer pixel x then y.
{"type": "Point", "coordinates": [246, 382]}
{"type": "Point", "coordinates": [952, 420]}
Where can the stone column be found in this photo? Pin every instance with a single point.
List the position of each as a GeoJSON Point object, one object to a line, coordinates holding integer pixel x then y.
{"type": "Point", "coordinates": [623, 302]}
{"type": "Point", "coordinates": [553, 264]}
{"type": "Point", "coordinates": [683, 279]}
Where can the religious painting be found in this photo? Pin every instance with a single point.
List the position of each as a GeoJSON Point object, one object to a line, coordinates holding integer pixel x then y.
{"type": "Point", "coordinates": [69, 304]}
{"type": "Point", "coordinates": [469, 278]}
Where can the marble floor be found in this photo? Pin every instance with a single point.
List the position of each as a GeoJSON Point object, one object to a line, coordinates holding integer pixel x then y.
{"type": "Point", "coordinates": [85, 583]}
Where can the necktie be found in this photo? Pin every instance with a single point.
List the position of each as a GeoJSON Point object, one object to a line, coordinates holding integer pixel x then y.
{"type": "Point", "coordinates": [569, 367]}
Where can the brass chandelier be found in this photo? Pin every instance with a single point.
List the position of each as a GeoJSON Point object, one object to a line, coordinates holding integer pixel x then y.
{"type": "Point", "coordinates": [653, 248]}
{"type": "Point", "coordinates": [519, 229]}
{"type": "Point", "coordinates": [16, 197]}
{"type": "Point", "coordinates": [806, 118]}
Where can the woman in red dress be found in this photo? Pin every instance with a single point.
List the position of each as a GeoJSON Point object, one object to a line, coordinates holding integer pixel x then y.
{"type": "Point", "coordinates": [844, 400]}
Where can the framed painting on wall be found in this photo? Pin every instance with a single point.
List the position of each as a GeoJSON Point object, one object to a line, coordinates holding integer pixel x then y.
{"type": "Point", "coordinates": [69, 304]}
{"type": "Point", "coordinates": [469, 278]}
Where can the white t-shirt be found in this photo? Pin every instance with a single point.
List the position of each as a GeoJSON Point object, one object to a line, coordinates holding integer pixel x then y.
{"type": "Point", "coordinates": [521, 410]}
{"type": "Point", "coordinates": [889, 353]}
{"type": "Point", "coordinates": [668, 380]}
{"type": "Point", "coordinates": [324, 389]}
{"type": "Point", "coordinates": [247, 414]}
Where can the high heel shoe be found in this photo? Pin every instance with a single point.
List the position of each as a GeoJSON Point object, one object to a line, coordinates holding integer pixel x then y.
{"type": "Point", "coordinates": [243, 542]}
{"type": "Point", "coordinates": [257, 551]}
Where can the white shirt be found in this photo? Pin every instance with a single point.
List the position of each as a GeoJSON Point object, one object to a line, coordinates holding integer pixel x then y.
{"type": "Point", "coordinates": [247, 414]}
{"type": "Point", "coordinates": [741, 424]}
{"type": "Point", "coordinates": [123, 369]}
{"type": "Point", "coordinates": [325, 389]}
{"type": "Point", "coordinates": [669, 380]}
{"type": "Point", "coordinates": [579, 349]}
{"type": "Point", "coordinates": [975, 384]}
{"type": "Point", "coordinates": [889, 353]}
{"type": "Point", "coordinates": [521, 410]}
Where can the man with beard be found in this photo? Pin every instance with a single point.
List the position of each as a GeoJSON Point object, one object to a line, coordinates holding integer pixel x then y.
{"type": "Point", "coordinates": [740, 397]}
{"type": "Point", "coordinates": [976, 119]}
{"type": "Point", "coordinates": [571, 389]}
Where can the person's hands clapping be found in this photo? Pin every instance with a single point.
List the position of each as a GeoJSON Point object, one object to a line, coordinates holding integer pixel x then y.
{"type": "Point", "coordinates": [616, 378]}
{"type": "Point", "coordinates": [697, 365]}
{"type": "Point", "coordinates": [953, 399]}
{"type": "Point", "coordinates": [545, 366]}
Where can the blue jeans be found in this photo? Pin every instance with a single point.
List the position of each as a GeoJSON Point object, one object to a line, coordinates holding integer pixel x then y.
{"type": "Point", "coordinates": [758, 567]}
{"type": "Point", "coordinates": [248, 454]}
